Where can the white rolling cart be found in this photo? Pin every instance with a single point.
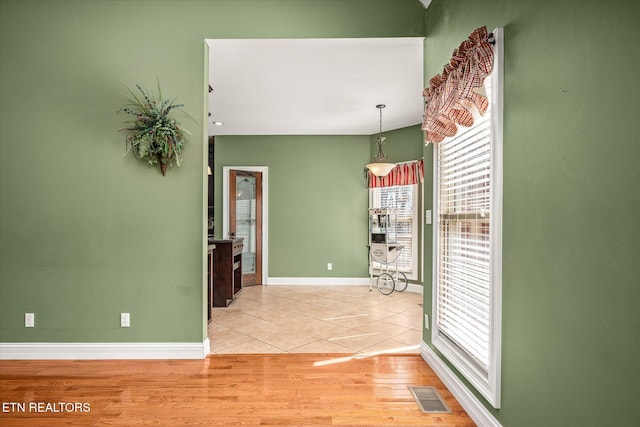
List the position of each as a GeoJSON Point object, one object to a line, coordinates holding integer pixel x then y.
{"type": "Point", "coordinates": [384, 251]}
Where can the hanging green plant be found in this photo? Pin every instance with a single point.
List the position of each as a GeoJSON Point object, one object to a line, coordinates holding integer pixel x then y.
{"type": "Point", "coordinates": [153, 135]}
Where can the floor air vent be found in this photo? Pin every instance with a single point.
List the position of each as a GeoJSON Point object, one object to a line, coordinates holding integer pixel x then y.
{"type": "Point", "coordinates": [429, 400]}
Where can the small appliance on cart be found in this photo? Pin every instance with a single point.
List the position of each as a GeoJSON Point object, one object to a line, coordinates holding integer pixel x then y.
{"type": "Point", "coordinates": [384, 251]}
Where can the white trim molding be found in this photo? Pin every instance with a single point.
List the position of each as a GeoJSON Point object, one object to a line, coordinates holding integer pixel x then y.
{"type": "Point", "coordinates": [485, 375]}
{"type": "Point", "coordinates": [103, 351]}
{"type": "Point", "coordinates": [331, 281]}
{"type": "Point", "coordinates": [318, 281]}
{"type": "Point", "coordinates": [474, 408]}
{"type": "Point", "coordinates": [416, 190]}
{"type": "Point", "coordinates": [265, 209]}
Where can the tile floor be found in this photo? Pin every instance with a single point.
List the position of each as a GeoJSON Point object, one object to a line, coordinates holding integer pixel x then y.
{"type": "Point", "coordinates": [317, 319]}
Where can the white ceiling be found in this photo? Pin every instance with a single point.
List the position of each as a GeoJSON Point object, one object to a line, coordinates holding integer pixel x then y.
{"type": "Point", "coordinates": [314, 86]}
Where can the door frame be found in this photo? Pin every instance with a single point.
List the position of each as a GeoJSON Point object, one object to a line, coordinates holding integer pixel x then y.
{"type": "Point", "coordinates": [249, 278]}
{"type": "Point", "coordinates": [265, 211]}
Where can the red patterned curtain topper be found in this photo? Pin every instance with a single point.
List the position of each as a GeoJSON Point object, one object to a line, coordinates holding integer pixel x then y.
{"type": "Point", "coordinates": [453, 94]}
{"type": "Point", "coordinates": [402, 174]}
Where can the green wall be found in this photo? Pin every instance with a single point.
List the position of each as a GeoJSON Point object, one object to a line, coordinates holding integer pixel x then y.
{"type": "Point", "coordinates": [317, 200]}
{"type": "Point", "coordinates": [571, 323]}
{"type": "Point", "coordinates": [87, 233]}
{"type": "Point", "coordinates": [317, 196]}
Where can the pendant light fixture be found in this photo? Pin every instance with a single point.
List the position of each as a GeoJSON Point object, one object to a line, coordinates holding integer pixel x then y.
{"type": "Point", "coordinates": [380, 167]}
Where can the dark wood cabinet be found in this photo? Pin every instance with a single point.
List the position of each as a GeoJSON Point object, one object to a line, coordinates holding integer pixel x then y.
{"type": "Point", "coordinates": [210, 249]}
{"type": "Point", "coordinates": [227, 271]}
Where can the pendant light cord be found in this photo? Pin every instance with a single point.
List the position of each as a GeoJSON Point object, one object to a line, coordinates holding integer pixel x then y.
{"type": "Point", "coordinates": [380, 157]}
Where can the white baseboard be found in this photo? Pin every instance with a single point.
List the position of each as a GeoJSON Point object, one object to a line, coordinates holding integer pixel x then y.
{"type": "Point", "coordinates": [474, 408]}
{"type": "Point", "coordinates": [95, 351]}
{"type": "Point", "coordinates": [318, 281]}
{"type": "Point", "coordinates": [331, 281]}
{"type": "Point", "coordinates": [412, 287]}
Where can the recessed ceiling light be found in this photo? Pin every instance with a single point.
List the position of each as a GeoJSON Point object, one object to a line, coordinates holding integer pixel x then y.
{"type": "Point", "coordinates": [218, 123]}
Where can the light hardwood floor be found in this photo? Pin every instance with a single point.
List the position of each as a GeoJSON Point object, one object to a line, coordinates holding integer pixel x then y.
{"type": "Point", "coordinates": [355, 354]}
{"type": "Point", "coordinates": [224, 390]}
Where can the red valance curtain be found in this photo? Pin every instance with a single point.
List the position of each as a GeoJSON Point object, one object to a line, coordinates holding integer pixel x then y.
{"type": "Point", "coordinates": [452, 95]}
{"type": "Point", "coordinates": [402, 174]}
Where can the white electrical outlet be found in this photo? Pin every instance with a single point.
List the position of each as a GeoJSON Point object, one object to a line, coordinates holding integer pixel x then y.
{"type": "Point", "coordinates": [125, 320]}
{"type": "Point", "coordinates": [427, 217]}
{"type": "Point", "coordinates": [329, 266]}
{"type": "Point", "coordinates": [426, 321]}
{"type": "Point", "coordinates": [29, 320]}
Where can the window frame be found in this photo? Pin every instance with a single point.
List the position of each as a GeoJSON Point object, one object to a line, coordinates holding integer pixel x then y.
{"type": "Point", "coordinates": [415, 230]}
{"type": "Point", "coordinates": [486, 382]}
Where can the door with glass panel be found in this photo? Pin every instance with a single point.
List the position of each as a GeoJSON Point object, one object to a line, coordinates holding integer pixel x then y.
{"type": "Point", "coordinates": [245, 221]}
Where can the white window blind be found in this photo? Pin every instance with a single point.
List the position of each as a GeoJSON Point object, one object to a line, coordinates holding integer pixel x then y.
{"type": "Point", "coordinates": [403, 199]}
{"type": "Point", "coordinates": [464, 258]}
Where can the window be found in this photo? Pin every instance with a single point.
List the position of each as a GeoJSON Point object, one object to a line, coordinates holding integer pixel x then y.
{"type": "Point", "coordinates": [404, 198]}
{"type": "Point", "coordinates": [467, 245]}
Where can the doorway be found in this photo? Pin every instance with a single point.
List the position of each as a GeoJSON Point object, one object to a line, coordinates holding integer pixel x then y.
{"type": "Point", "coordinates": [245, 215]}
{"type": "Point", "coordinates": [245, 221]}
